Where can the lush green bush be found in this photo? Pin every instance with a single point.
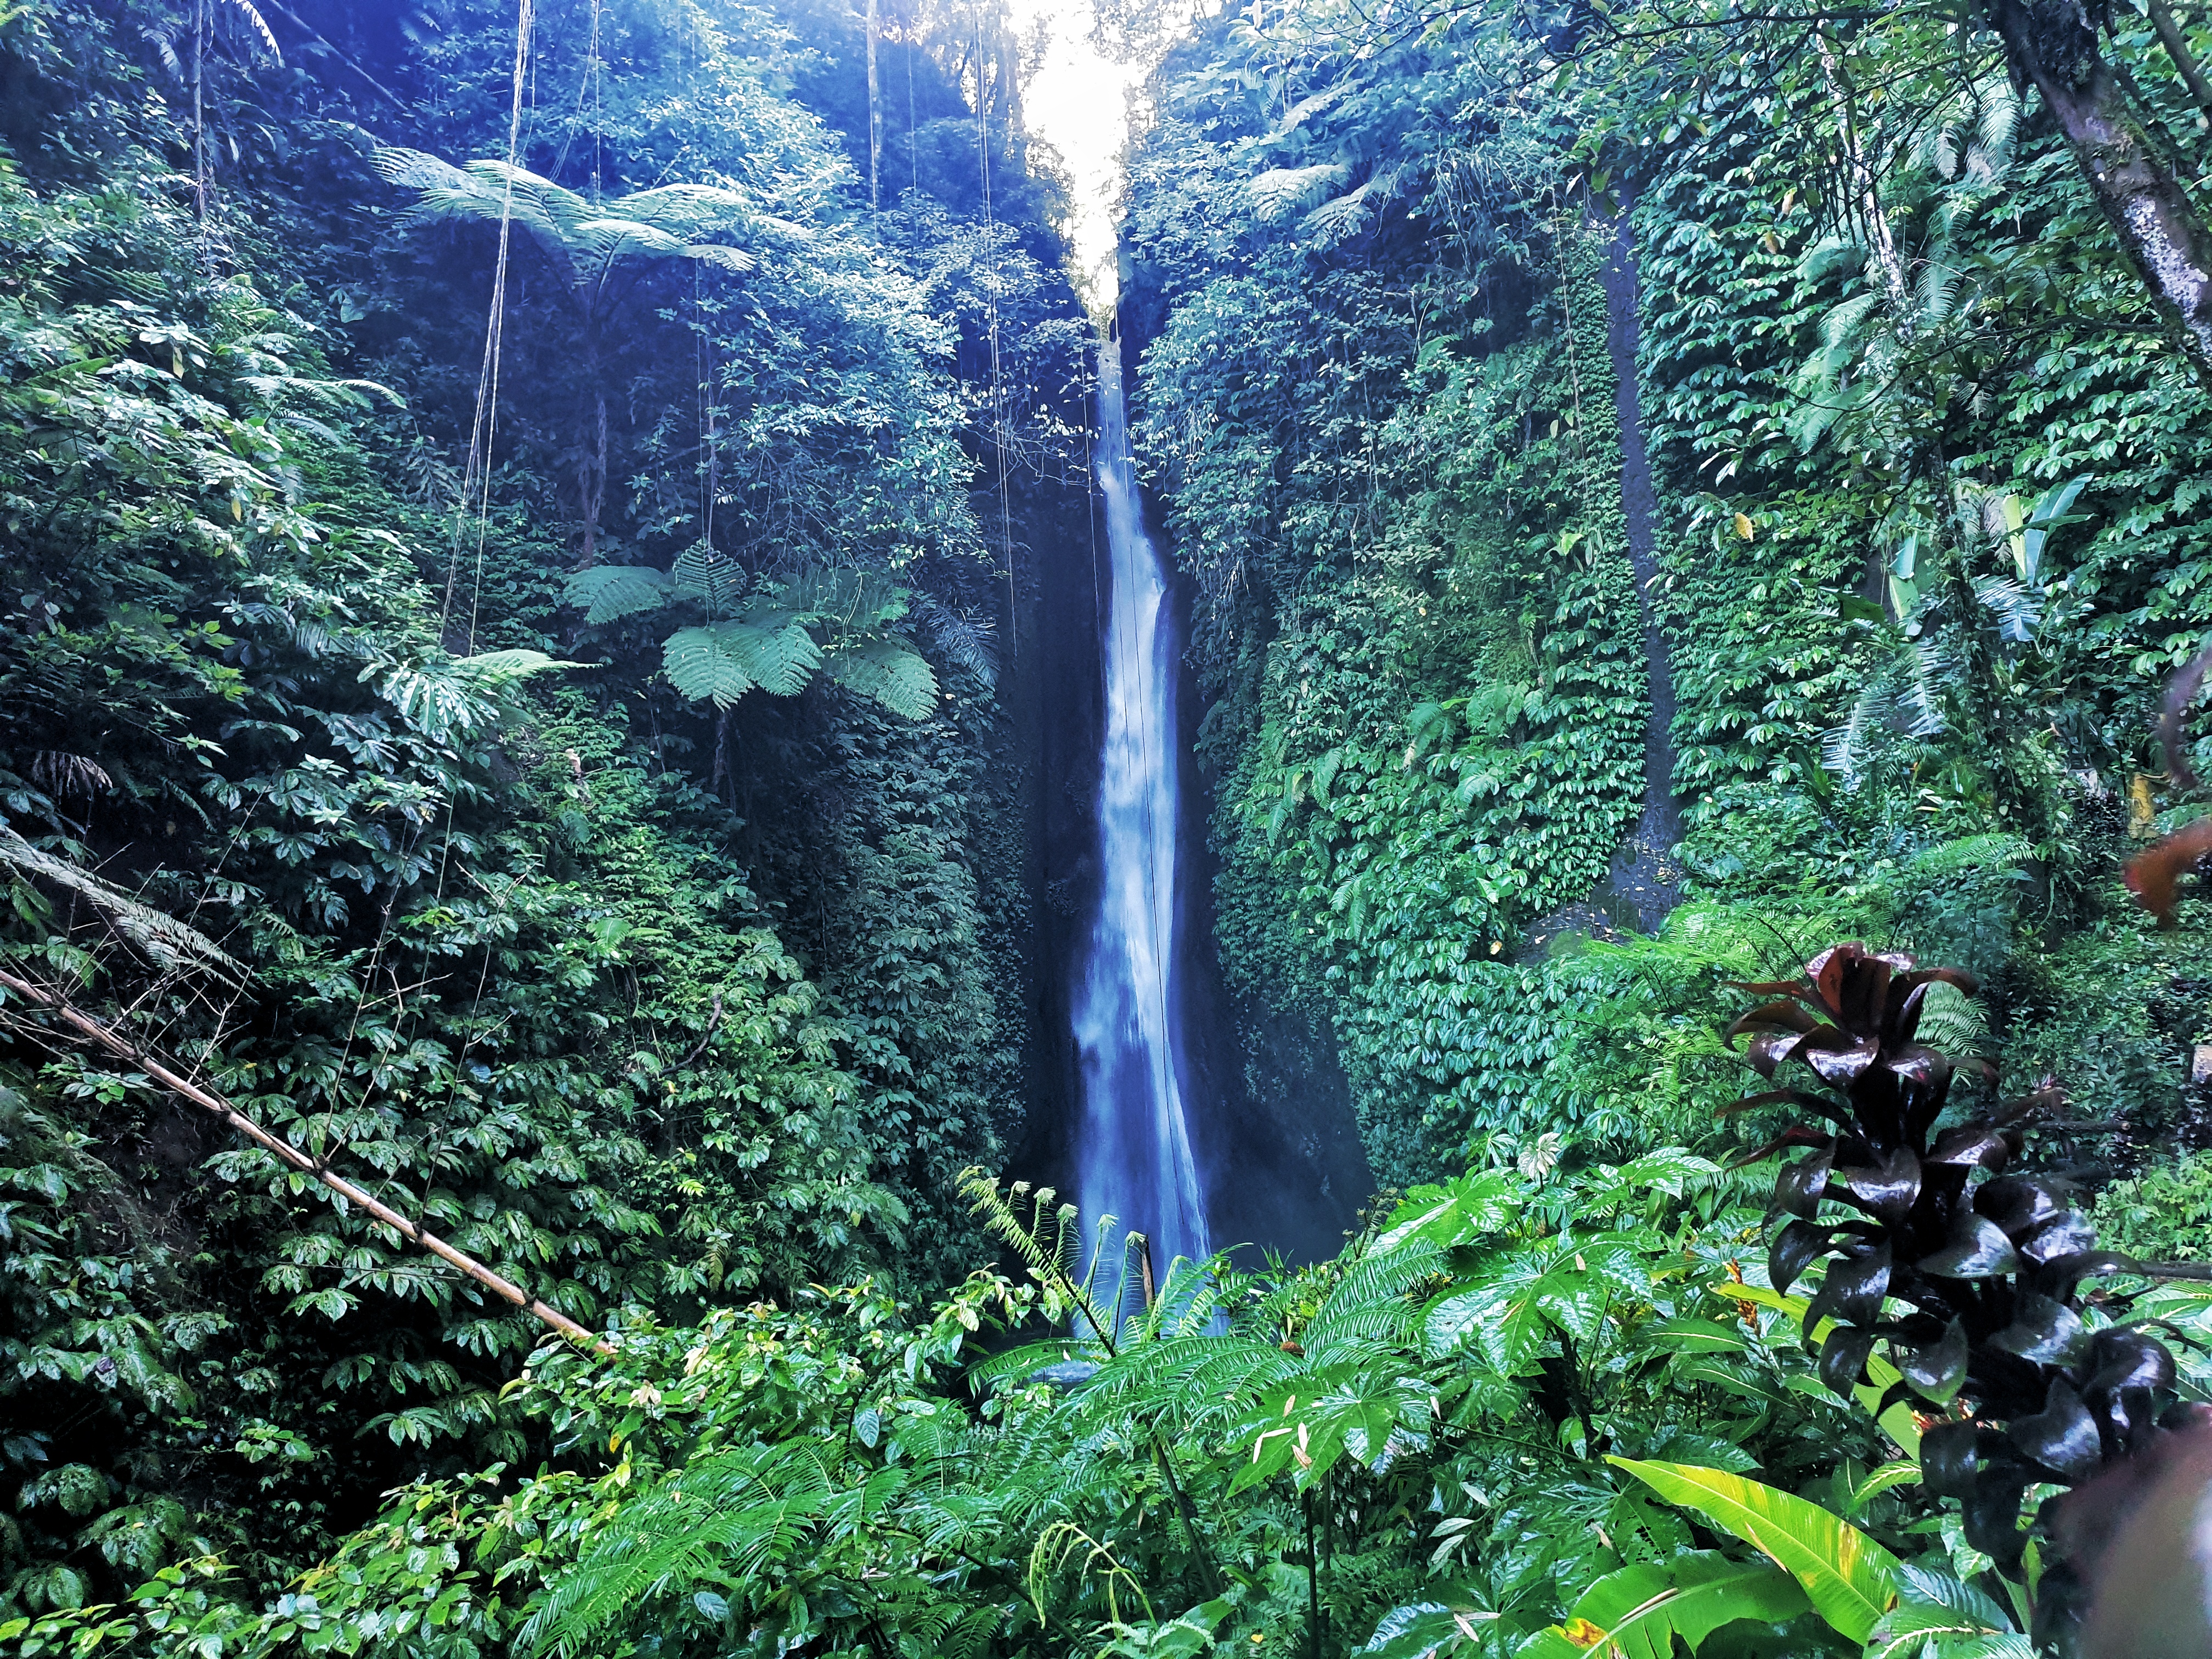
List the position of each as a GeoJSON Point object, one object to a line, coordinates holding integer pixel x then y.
{"type": "Point", "coordinates": [2164, 1214]}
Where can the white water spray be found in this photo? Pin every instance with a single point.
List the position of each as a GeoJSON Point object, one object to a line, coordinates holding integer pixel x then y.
{"type": "Point", "coordinates": [1133, 1158]}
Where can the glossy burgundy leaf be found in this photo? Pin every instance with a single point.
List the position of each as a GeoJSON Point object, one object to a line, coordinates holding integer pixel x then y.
{"type": "Point", "coordinates": [1972, 1144]}
{"type": "Point", "coordinates": [1838, 1057]}
{"type": "Point", "coordinates": [1887, 1188]}
{"type": "Point", "coordinates": [2059, 1278]}
{"type": "Point", "coordinates": [1827, 973]}
{"type": "Point", "coordinates": [1992, 1511]}
{"type": "Point", "coordinates": [2127, 1359]}
{"type": "Point", "coordinates": [2047, 1332]}
{"type": "Point", "coordinates": [2062, 1436]}
{"type": "Point", "coordinates": [1977, 1248]}
{"type": "Point", "coordinates": [1853, 1290]}
{"type": "Point", "coordinates": [1900, 1021]}
{"type": "Point", "coordinates": [1865, 995]}
{"type": "Point", "coordinates": [2018, 1203]}
{"type": "Point", "coordinates": [1811, 1102]}
{"type": "Point", "coordinates": [1800, 1186]}
{"type": "Point", "coordinates": [1785, 1015]}
{"type": "Point", "coordinates": [1921, 978]}
{"type": "Point", "coordinates": [1798, 1134]}
{"type": "Point", "coordinates": [1948, 1459]}
{"type": "Point", "coordinates": [1795, 1247]}
{"type": "Point", "coordinates": [1843, 1358]}
{"type": "Point", "coordinates": [1769, 1050]}
{"type": "Point", "coordinates": [1938, 1370]}
{"type": "Point", "coordinates": [1923, 1068]}
{"type": "Point", "coordinates": [1772, 987]}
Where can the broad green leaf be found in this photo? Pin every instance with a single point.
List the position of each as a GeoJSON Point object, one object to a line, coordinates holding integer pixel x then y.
{"type": "Point", "coordinates": [1889, 1476]}
{"type": "Point", "coordinates": [1906, 1631]}
{"type": "Point", "coordinates": [1428, 1629]}
{"type": "Point", "coordinates": [1727, 1374]}
{"type": "Point", "coordinates": [1762, 1296]}
{"type": "Point", "coordinates": [1897, 1421]}
{"type": "Point", "coordinates": [1852, 1579]}
{"type": "Point", "coordinates": [1457, 1213]}
{"type": "Point", "coordinates": [1692, 1336]}
{"type": "Point", "coordinates": [1509, 1308]}
{"type": "Point", "coordinates": [1639, 1612]}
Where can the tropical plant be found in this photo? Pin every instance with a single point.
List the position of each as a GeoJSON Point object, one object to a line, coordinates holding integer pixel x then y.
{"type": "Point", "coordinates": [585, 241]}
{"type": "Point", "coordinates": [2021, 1381]}
{"type": "Point", "coordinates": [771, 634]}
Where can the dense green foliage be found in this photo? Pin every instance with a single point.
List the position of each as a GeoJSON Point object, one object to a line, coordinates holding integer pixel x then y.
{"type": "Point", "coordinates": [1923, 559]}
{"type": "Point", "coordinates": [581, 783]}
{"type": "Point", "coordinates": [645, 991]}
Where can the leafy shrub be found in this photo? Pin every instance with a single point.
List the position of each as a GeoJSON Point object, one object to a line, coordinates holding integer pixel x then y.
{"type": "Point", "coordinates": [2162, 1214]}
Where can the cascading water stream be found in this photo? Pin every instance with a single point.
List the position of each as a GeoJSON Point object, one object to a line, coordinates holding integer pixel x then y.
{"type": "Point", "coordinates": [1134, 1155]}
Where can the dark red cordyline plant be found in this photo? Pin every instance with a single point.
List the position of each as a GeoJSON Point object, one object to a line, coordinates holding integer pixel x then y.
{"type": "Point", "coordinates": [1980, 1267]}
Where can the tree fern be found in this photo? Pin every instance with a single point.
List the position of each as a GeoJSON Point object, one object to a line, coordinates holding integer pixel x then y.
{"type": "Point", "coordinates": [722, 1521]}
{"type": "Point", "coordinates": [171, 944]}
{"type": "Point", "coordinates": [609, 592]}
{"type": "Point", "coordinates": [712, 577]}
{"type": "Point", "coordinates": [583, 240]}
{"type": "Point", "coordinates": [890, 671]}
{"type": "Point", "coordinates": [721, 662]}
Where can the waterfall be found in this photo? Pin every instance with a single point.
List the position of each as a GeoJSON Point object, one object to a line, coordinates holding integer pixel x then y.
{"type": "Point", "coordinates": [1133, 1158]}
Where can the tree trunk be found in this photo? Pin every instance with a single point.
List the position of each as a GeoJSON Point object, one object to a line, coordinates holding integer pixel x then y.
{"type": "Point", "coordinates": [2177, 48]}
{"type": "Point", "coordinates": [2053, 45]}
{"type": "Point", "coordinates": [1865, 184]}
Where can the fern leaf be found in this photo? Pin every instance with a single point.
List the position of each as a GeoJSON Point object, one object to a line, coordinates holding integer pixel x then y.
{"type": "Point", "coordinates": [702, 574]}
{"type": "Point", "coordinates": [171, 944]}
{"type": "Point", "coordinates": [502, 667]}
{"type": "Point", "coordinates": [1279, 192]}
{"type": "Point", "coordinates": [705, 665]}
{"type": "Point", "coordinates": [890, 671]}
{"type": "Point", "coordinates": [608, 593]}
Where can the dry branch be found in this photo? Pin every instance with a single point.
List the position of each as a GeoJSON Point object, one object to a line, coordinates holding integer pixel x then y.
{"type": "Point", "coordinates": [107, 1038]}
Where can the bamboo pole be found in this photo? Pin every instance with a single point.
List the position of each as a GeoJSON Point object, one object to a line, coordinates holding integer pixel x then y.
{"type": "Point", "coordinates": [168, 1076]}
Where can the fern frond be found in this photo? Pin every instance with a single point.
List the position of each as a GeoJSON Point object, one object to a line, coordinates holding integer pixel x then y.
{"type": "Point", "coordinates": [723, 1519]}
{"type": "Point", "coordinates": [721, 662]}
{"type": "Point", "coordinates": [608, 593]}
{"type": "Point", "coordinates": [504, 667]}
{"type": "Point", "coordinates": [890, 671]}
{"type": "Point", "coordinates": [583, 240]}
{"type": "Point", "coordinates": [713, 579]}
{"type": "Point", "coordinates": [962, 639]}
{"type": "Point", "coordinates": [172, 945]}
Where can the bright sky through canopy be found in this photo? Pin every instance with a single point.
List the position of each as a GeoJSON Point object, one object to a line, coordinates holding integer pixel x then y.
{"type": "Point", "coordinates": [1078, 102]}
